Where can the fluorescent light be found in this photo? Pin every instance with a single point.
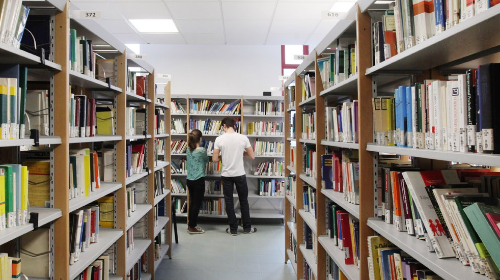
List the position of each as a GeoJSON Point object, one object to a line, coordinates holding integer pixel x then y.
{"type": "Point", "coordinates": [383, 2]}
{"type": "Point", "coordinates": [342, 6]}
{"type": "Point", "coordinates": [154, 25]}
{"type": "Point", "coordinates": [136, 48]}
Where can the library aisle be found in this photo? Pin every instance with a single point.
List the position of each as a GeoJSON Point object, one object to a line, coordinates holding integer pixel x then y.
{"type": "Point", "coordinates": [217, 255]}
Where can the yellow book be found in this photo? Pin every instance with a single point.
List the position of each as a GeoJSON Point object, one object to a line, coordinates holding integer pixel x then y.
{"type": "Point", "coordinates": [24, 194]}
{"type": "Point", "coordinates": [105, 121]}
{"type": "Point", "coordinates": [388, 112]}
{"type": "Point", "coordinates": [353, 62]}
{"type": "Point", "coordinates": [39, 182]}
{"type": "Point", "coordinates": [4, 99]}
{"type": "Point", "coordinates": [13, 124]}
{"type": "Point", "coordinates": [86, 172]}
{"type": "Point", "coordinates": [342, 276]}
{"type": "Point", "coordinates": [353, 241]}
{"type": "Point", "coordinates": [374, 243]}
{"type": "Point", "coordinates": [250, 129]}
{"type": "Point", "coordinates": [106, 211]}
{"type": "Point", "coordinates": [3, 219]}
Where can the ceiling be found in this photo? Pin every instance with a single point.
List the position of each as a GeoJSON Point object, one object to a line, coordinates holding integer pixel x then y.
{"type": "Point", "coordinates": [234, 22]}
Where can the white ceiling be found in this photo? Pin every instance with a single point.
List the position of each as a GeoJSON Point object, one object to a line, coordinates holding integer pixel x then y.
{"type": "Point", "coordinates": [235, 22]}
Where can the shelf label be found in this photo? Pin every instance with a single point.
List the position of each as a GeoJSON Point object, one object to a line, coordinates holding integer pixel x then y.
{"type": "Point", "coordinates": [276, 89]}
{"type": "Point", "coordinates": [284, 78]}
{"type": "Point", "coordinates": [86, 14]}
{"type": "Point", "coordinates": [332, 15]}
{"type": "Point", "coordinates": [138, 56]}
{"type": "Point", "coordinates": [164, 76]}
{"type": "Point", "coordinates": [299, 56]}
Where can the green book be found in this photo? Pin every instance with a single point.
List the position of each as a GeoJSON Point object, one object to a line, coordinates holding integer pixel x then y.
{"type": "Point", "coordinates": [13, 88]}
{"type": "Point", "coordinates": [23, 85]}
{"type": "Point", "coordinates": [73, 48]}
{"type": "Point", "coordinates": [9, 196]}
{"type": "Point", "coordinates": [476, 214]}
{"type": "Point", "coordinates": [16, 186]}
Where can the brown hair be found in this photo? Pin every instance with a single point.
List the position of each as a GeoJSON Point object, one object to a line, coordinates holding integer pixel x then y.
{"type": "Point", "coordinates": [194, 138]}
{"type": "Point", "coordinates": [228, 121]}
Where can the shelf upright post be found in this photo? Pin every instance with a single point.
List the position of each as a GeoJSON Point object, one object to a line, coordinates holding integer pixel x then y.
{"type": "Point", "coordinates": [366, 196]}
{"type": "Point", "coordinates": [320, 150]}
{"type": "Point", "coordinates": [61, 152]}
{"type": "Point", "coordinates": [298, 168]}
{"type": "Point", "coordinates": [121, 158]}
{"type": "Point", "coordinates": [287, 173]}
{"type": "Point", "coordinates": [150, 128]}
{"type": "Point", "coordinates": [167, 157]}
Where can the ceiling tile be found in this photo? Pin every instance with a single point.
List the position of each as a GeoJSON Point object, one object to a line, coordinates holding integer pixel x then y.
{"type": "Point", "coordinates": [144, 10]}
{"type": "Point", "coordinates": [304, 10]}
{"type": "Point", "coordinates": [205, 39]}
{"type": "Point", "coordinates": [199, 26]}
{"type": "Point", "coordinates": [287, 39]}
{"type": "Point", "coordinates": [247, 26]}
{"type": "Point", "coordinates": [246, 38]}
{"type": "Point", "coordinates": [248, 10]}
{"type": "Point", "coordinates": [164, 38]}
{"type": "Point", "coordinates": [195, 10]}
{"type": "Point", "coordinates": [115, 26]}
{"type": "Point", "coordinates": [284, 26]}
{"type": "Point", "coordinates": [130, 38]}
{"type": "Point", "coordinates": [325, 26]}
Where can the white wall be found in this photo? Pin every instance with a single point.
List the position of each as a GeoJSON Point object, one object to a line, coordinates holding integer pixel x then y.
{"type": "Point", "coordinates": [217, 69]}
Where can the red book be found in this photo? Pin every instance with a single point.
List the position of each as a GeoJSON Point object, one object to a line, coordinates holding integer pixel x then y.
{"type": "Point", "coordinates": [96, 170]}
{"type": "Point", "coordinates": [140, 85]}
{"type": "Point", "coordinates": [346, 238]}
{"type": "Point", "coordinates": [494, 220]}
{"type": "Point", "coordinates": [390, 39]}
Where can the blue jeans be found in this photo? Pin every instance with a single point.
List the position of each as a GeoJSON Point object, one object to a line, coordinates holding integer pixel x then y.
{"type": "Point", "coordinates": [242, 189]}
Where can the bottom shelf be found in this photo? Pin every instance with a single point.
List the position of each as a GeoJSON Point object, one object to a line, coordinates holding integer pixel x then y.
{"type": "Point", "coordinates": [163, 252]}
{"type": "Point", "coordinates": [310, 259]}
{"type": "Point", "coordinates": [140, 246]}
{"type": "Point", "coordinates": [338, 256]}
{"type": "Point", "coordinates": [291, 257]}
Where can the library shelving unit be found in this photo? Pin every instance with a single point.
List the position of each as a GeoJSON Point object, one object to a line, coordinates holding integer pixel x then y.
{"type": "Point", "coordinates": [262, 207]}
{"type": "Point", "coordinates": [56, 73]}
{"type": "Point", "coordinates": [432, 59]}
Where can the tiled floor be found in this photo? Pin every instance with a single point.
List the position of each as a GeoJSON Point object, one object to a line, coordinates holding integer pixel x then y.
{"type": "Point", "coordinates": [219, 256]}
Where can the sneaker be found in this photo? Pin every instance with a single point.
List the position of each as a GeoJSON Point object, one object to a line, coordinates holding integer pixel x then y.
{"type": "Point", "coordinates": [195, 230]}
{"type": "Point", "coordinates": [252, 230]}
{"type": "Point", "coordinates": [232, 233]}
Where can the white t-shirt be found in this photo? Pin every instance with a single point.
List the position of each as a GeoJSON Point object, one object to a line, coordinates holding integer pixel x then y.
{"type": "Point", "coordinates": [232, 146]}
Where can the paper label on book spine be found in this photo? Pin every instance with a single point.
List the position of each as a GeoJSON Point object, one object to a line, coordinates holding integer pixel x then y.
{"type": "Point", "coordinates": [419, 227]}
{"type": "Point", "coordinates": [471, 135]}
{"type": "Point", "coordinates": [462, 140]}
{"type": "Point", "coordinates": [3, 222]}
{"type": "Point", "coordinates": [22, 131]}
{"type": "Point", "coordinates": [429, 141]}
{"type": "Point", "coordinates": [487, 139]}
{"type": "Point", "coordinates": [5, 129]}
{"type": "Point", "coordinates": [410, 228]}
{"type": "Point", "coordinates": [11, 219]}
{"type": "Point", "coordinates": [388, 215]}
{"type": "Point", "coordinates": [409, 140]}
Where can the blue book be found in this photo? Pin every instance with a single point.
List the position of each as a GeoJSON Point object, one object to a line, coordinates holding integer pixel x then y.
{"type": "Point", "coordinates": [327, 168]}
{"type": "Point", "coordinates": [384, 259]}
{"type": "Point", "coordinates": [409, 119]}
{"type": "Point", "coordinates": [397, 117]}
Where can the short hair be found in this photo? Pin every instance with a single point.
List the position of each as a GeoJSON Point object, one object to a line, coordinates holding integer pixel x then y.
{"type": "Point", "coordinates": [228, 121]}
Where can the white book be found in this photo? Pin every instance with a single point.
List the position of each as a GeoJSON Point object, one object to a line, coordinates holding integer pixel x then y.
{"type": "Point", "coordinates": [414, 119]}
{"type": "Point", "coordinates": [462, 113]}
{"type": "Point", "coordinates": [438, 106]}
{"type": "Point", "coordinates": [430, 137]}
{"type": "Point", "coordinates": [430, 21]}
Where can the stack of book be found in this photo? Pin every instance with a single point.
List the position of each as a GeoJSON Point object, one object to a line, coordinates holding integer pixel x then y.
{"type": "Point", "coordinates": [309, 125]}
{"type": "Point", "coordinates": [271, 168]}
{"type": "Point", "coordinates": [14, 16]}
{"type": "Point", "coordinates": [81, 53]}
{"type": "Point", "coordinates": [342, 122]}
{"type": "Point", "coordinates": [341, 174]}
{"type": "Point", "coordinates": [266, 148]}
{"type": "Point", "coordinates": [266, 128]}
{"type": "Point", "coordinates": [83, 230]}
{"type": "Point", "coordinates": [177, 186]}
{"type": "Point", "coordinates": [217, 108]}
{"type": "Point", "coordinates": [14, 194]}
{"type": "Point", "coordinates": [99, 269]}
{"type": "Point", "coordinates": [338, 66]}
{"type": "Point", "coordinates": [343, 230]}
{"type": "Point", "coordinates": [269, 108]}
{"type": "Point", "coordinates": [176, 107]}
{"type": "Point", "coordinates": [213, 168]}
{"type": "Point", "coordinates": [454, 115]}
{"type": "Point", "coordinates": [271, 187]}
{"type": "Point", "coordinates": [178, 146]}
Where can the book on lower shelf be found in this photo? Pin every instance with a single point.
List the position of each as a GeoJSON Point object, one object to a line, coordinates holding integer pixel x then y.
{"type": "Point", "coordinates": [135, 157]}
{"type": "Point", "coordinates": [309, 125]}
{"type": "Point", "coordinates": [268, 148]}
{"type": "Point", "coordinates": [135, 121]}
{"type": "Point", "coordinates": [88, 169]}
{"type": "Point", "coordinates": [176, 107]}
{"type": "Point", "coordinates": [211, 126]}
{"type": "Point", "coordinates": [138, 269]}
{"type": "Point", "coordinates": [341, 174]}
{"type": "Point", "coordinates": [309, 200]}
{"type": "Point", "coordinates": [271, 187]}
{"type": "Point", "coordinates": [309, 161]}
{"type": "Point", "coordinates": [270, 168]}
{"type": "Point", "coordinates": [99, 269]}
{"type": "Point", "coordinates": [177, 186]}
{"type": "Point", "coordinates": [269, 108]}
{"type": "Point", "coordinates": [14, 16]}
{"type": "Point", "coordinates": [291, 186]}
{"type": "Point", "coordinates": [84, 231]}
{"type": "Point", "coordinates": [291, 97]}
{"type": "Point", "coordinates": [178, 167]}
{"type": "Point", "coordinates": [177, 126]}
{"type": "Point", "coordinates": [342, 122]}
{"type": "Point", "coordinates": [266, 128]}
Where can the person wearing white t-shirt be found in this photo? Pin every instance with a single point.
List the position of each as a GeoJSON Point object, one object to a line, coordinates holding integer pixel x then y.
{"type": "Point", "coordinates": [232, 147]}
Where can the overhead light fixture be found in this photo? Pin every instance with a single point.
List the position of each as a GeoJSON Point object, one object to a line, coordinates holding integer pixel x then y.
{"type": "Point", "coordinates": [342, 6]}
{"type": "Point", "coordinates": [381, 2]}
{"type": "Point", "coordinates": [136, 48]}
{"type": "Point", "coordinates": [154, 25]}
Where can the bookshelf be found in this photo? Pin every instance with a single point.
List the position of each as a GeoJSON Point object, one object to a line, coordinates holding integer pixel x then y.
{"type": "Point", "coordinates": [265, 207]}
{"type": "Point", "coordinates": [58, 74]}
{"type": "Point", "coordinates": [441, 57]}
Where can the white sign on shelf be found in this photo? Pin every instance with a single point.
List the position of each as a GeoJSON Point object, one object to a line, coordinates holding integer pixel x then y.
{"type": "Point", "coordinates": [332, 15]}
{"type": "Point", "coordinates": [276, 88]}
{"type": "Point", "coordinates": [137, 56]}
{"type": "Point", "coordinates": [85, 14]}
{"type": "Point", "coordinates": [299, 56]}
{"type": "Point", "coordinates": [284, 78]}
{"type": "Point", "coordinates": [164, 76]}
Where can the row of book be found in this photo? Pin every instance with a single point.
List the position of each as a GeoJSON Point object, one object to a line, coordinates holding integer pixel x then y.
{"type": "Point", "coordinates": [309, 125]}
{"type": "Point", "coordinates": [135, 121]}
{"type": "Point", "coordinates": [211, 127]}
{"type": "Point", "coordinates": [138, 269]}
{"type": "Point", "coordinates": [160, 147]}
{"type": "Point", "coordinates": [407, 24]}
{"type": "Point", "coordinates": [134, 193]}
{"type": "Point", "coordinates": [136, 83]}
{"type": "Point", "coordinates": [14, 194]}
{"type": "Point", "coordinates": [213, 206]}
{"type": "Point", "coordinates": [213, 168]}
{"type": "Point", "coordinates": [341, 174]}
{"type": "Point", "coordinates": [266, 128]}
{"type": "Point", "coordinates": [160, 119]}
{"type": "Point", "coordinates": [178, 168]}
{"type": "Point", "coordinates": [291, 97]}
{"type": "Point", "coordinates": [178, 146]}
{"type": "Point", "coordinates": [309, 161]}
{"type": "Point", "coordinates": [135, 158]}
{"type": "Point", "coordinates": [308, 86]}
{"type": "Point", "coordinates": [270, 168]}
{"type": "Point", "coordinates": [84, 231]}
{"type": "Point", "coordinates": [333, 271]}
{"type": "Point", "coordinates": [13, 101]}
{"type": "Point", "coordinates": [99, 269]}
{"type": "Point", "coordinates": [82, 55]}
{"type": "Point", "coordinates": [14, 16]}
{"type": "Point", "coordinates": [160, 187]}
{"type": "Point", "coordinates": [88, 120]}
{"type": "Point", "coordinates": [337, 67]}
{"type": "Point", "coordinates": [454, 211]}
{"type": "Point", "coordinates": [176, 107]}
{"type": "Point", "coordinates": [177, 186]}
{"type": "Point", "coordinates": [311, 243]}
{"type": "Point", "coordinates": [342, 122]}
{"type": "Point", "coordinates": [268, 148]}
{"type": "Point", "coordinates": [271, 187]}
{"type": "Point", "coordinates": [269, 108]}
{"type": "Point", "coordinates": [291, 185]}
{"type": "Point", "coordinates": [178, 126]}
{"type": "Point", "coordinates": [386, 261]}
{"type": "Point", "coordinates": [343, 229]}
{"type": "Point", "coordinates": [206, 106]}
{"type": "Point", "coordinates": [309, 200]}
{"type": "Point", "coordinates": [10, 267]}
{"type": "Point", "coordinates": [454, 115]}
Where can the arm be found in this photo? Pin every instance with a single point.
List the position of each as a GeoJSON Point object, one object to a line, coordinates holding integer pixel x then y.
{"type": "Point", "coordinates": [249, 153]}
{"type": "Point", "coordinates": [215, 155]}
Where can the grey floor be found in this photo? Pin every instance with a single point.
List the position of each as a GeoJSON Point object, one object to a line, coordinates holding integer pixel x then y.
{"type": "Point", "coordinates": [217, 255]}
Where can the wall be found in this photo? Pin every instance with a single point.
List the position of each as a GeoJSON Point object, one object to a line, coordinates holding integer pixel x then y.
{"type": "Point", "coordinates": [217, 69]}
